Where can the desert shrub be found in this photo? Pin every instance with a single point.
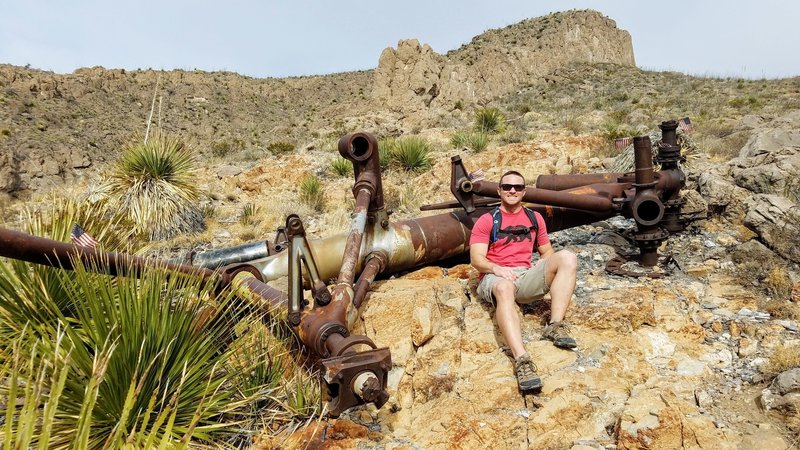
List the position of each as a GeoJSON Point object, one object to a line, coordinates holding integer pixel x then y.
{"type": "Point", "coordinates": [412, 154]}
{"type": "Point", "coordinates": [223, 148]}
{"type": "Point", "coordinates": [248, 214]}
{"type": "Point", "coordinates": [5, 132]}
{"type": "Point", "coordinates": [279, 147]}
{"type": "Point", "coordinates": [341, 167]}
{"type": "Point", "coordinates": [574, 124]}
{"type": "Point", "coordinates": [459, 138]}
{"type": "Point", "coordinates": [153, 184]}
{"type": "Point", "coordinates": [386, 148]}
{"type": "Point", "coordinates": [786, 356]}
{"type": "Point", "coordinates": [613, 131]}
{"type": "Point", "coordinates": [478, 141]}
{"type": "Point", "coordinates": [490, 120]}
{"type": "Point", "coordinates": [311, 192]}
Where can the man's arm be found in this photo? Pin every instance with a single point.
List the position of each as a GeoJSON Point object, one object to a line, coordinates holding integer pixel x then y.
{"type": "Point", "coordinates": [477, 257]}
{"type": "Point", "coordinates": [544, 250]}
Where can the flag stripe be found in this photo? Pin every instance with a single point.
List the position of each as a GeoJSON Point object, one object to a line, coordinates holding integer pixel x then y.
{"type": "Point", "coordinates": [81, 238]}
{"type": "Point", "coordinates": [621, 143]}
{"type": "Point", "coordinates": [686, 125]}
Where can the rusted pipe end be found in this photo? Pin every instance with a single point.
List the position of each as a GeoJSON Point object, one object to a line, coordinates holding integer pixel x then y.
{"type": "Point", "coordinates": [668, 132]}
{"type": "Point", "coordinates": [643, 160]}
{"type": "Point", "coordinates": [647, 208]}
{"type": "Point", "coordinates": [367, 386]}
{"type": "Point", "coordinates": [358, 146]}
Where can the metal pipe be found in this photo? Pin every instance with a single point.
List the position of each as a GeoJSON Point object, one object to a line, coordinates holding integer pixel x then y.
{"type": "Point", "coordinates": [643, 159]}
{"type": "Point", "coordinates": [375, 264]}
{"type": "Point", "coordinates": [594, 197]}
{"type": "Point", "coordinates": [352, 247]}
{"type": "Point", "coordinates": [564, 182]}
{"type": "Point", "coordinates": [39, 250]}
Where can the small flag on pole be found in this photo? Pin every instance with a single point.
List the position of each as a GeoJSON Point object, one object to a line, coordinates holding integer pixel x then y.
{"type": "Point", "coordinates": [81, 238]}
{"type": "Point", "coordinates": [476, 175]}
{"type": "Point", "coordinates": [686, 125]}
{"type": "Point", "coordinates": [621, 143]}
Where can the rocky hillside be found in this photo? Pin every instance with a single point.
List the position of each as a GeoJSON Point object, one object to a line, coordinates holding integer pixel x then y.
{"type": "Point", "coordinates": [413, 77]}
{"type": "Point", "coordinates": [56, 128]}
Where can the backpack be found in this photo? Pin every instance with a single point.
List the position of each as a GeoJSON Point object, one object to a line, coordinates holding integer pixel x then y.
{"type": "Point", "coordinates": [497, 222]}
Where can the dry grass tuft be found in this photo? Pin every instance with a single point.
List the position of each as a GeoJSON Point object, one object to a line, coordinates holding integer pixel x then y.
{"type": "Point", "coordinates": [784, 357]}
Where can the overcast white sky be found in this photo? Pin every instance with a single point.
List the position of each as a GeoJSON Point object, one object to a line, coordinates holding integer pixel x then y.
{"type": "Point", "coordinates": [752, 39]}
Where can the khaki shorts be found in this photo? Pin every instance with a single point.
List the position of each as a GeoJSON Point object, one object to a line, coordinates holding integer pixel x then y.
{"type": "Point", "coordinates": [530, 283]}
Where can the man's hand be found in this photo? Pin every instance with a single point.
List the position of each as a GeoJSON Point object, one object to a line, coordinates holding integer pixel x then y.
{"type": "Point", "coordinates": [504, 272]}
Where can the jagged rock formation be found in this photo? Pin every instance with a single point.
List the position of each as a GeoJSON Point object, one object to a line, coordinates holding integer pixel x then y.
{"type": "Point", "coordinates": [413, 77]}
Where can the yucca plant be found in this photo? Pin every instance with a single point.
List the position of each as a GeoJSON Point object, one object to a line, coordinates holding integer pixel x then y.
{"type": "Point", "coordinates": [341, 167]}
{"type": "Point", "coordinates": [153, 184]}
{"type": "Point", "coordinates": [311, 192]}
{"type": "Point", "coordinates": [412, 154]}
{"type": "Point", "coordinates": [149, 360]}
{"type": "Point", "coordinates": [248, 215]}
{"type": "Point", "coordinates": [386, 148]}
{"type": "Point", "coordinates": [490, 120]}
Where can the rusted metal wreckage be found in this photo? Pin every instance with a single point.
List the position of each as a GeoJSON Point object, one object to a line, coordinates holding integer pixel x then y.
{"type": "Point", "coordinates": [354, 369]}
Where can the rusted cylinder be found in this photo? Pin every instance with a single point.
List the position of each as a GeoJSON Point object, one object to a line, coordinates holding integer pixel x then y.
{"type": "Point", "coordinates": [353, 245]}
{"type": "Point", "coordinates": [362, 150]}
{"type": "Point", "coordinates": [594, 197]}
{"type": "Point", "coordinates": [643, 159]}
{"type": "Point", "coordinates": [564, 182]}
{"type": "Point", "coordinates": [374, 266]}
{"type": "Point", "coordinates": [669, 133]}
{"type": "Point", "coordinates": [407, 244]}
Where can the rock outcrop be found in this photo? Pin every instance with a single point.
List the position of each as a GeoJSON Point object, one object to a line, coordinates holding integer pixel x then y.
{"type": "Point", "coordinates": [413, 77]}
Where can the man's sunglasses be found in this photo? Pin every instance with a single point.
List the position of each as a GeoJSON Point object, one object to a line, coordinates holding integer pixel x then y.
{"type": "Point", "coordinates": [507, 187]}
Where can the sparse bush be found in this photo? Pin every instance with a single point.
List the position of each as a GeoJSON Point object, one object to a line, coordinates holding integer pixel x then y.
{"type": "Point", "coordinates": [478, 141]}
{"type": "Point", "coordinates": [153, 184]}
{"type": "Point", "coordinates": [574, 124]}
{"type": "Point", "coordinates": [613, 131]}
{"type": "Point", "coordinates": [248, 215]}
{"type": "Point", "coordinates": [490, 120]}
{"type": "Point", "coordinates": [784, 357]}
{"type": "Point", "coordinates": [512, 135]}
{"type": "Point", "coordinates": [341, 167]}
{"type": "Point", "coordinates": [459, 138]}
{"type": "Point", "coordinates": [5, 132]}
{"type": "Point", "coordinates": [386, 147]}
{"type": "Point", "coordinates": [412, 154]}
{"type": "Point", "coordinates": [311, 192]}
{"type": "Point", "coordinates": [459, 105]}
{"type": "Point", "coordinates": [279, 147]}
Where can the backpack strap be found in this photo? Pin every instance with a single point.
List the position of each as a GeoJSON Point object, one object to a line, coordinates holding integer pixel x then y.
{"type": "Point", "coordinates": [497, 222]}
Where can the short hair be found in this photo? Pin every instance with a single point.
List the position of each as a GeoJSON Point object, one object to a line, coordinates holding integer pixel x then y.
{"type": "Point", "coordinates": [512, 172]}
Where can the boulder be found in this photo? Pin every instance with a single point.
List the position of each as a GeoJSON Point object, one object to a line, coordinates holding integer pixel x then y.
{"type": "Point", "coordinates": [776, 220]}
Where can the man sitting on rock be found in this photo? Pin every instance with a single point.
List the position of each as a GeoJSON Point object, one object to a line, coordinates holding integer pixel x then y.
{"type": "Point", "coordinates": [503, 253]}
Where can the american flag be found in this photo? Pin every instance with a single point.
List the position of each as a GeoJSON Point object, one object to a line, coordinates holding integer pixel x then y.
{"type": "Point", "coordinates": [476, 175]}
{"type": "Point", "coordinates": [621, 143]}
{"type": "Point", "coordinates": [686, 125]}
{"type": "Point", "coordinates": [81, 238]}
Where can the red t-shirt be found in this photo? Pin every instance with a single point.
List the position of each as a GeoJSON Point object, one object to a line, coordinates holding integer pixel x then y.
{"type": "Point", "coordinates": [510, 249]}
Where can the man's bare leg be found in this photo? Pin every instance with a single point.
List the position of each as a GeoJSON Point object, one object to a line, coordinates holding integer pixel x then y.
{"type": "Point", "coordinates": [507, 317]}
{"type": "Point", "coordinates": [562, 269]}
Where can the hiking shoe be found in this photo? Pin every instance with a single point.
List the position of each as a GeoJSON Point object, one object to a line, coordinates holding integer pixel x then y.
{"type": "Point", "coordinates": [558, 332]}
{"type": "Point", "coordinates": [526, 374]}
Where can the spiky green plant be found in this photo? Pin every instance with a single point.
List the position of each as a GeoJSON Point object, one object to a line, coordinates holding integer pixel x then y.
{"type": "Point", "coordinates": [412, 154]}
{"type": "Point", "coordinates": [386, 148]}
{"type": "Point", "coordinates": [153, 184]}
{"type": "Point", "coordinates": [490, 120]}
{"type": "Point", "coordinates": [149, 360]}
{"type": "Point", "coordinates": [311, 192]}
{"type": "Point", "coordinates": [248, 215]}
{"type": "Point", "coordinates": [478, 141]}
{"type": "Point", "coordinates": [342, 167]}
